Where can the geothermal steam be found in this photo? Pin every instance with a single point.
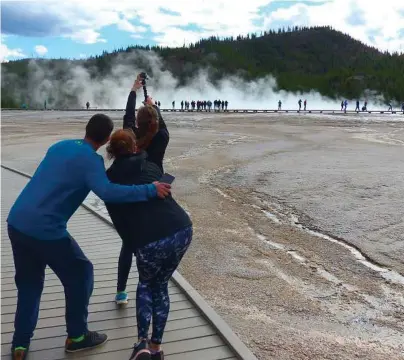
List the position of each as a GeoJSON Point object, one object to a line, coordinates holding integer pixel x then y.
{"type": "Point", "coordinates": [111, 90]}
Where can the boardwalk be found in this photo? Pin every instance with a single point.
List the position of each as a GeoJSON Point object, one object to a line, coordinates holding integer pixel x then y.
{"type": "Point", "coordinates": [244, 111]}
{"type": "Point", "coordinates": [193, 331]}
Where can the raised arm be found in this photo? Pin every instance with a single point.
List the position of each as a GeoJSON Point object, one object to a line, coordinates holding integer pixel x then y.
{"type": "Point", "coordinates": [162, 124]}
{"type": "Point", "coordinates": [129, 118]}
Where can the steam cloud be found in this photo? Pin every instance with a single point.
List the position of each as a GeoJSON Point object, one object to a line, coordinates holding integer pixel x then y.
{"type": "Point", "coordinates": [68, 84]}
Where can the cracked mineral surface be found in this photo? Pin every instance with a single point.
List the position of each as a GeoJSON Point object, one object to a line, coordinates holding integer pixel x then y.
{"type": "Point", "coordinates": [298, 222]}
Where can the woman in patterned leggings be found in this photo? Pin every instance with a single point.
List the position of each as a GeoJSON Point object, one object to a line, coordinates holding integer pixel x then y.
{"type": "Point", "coordinates": [155, 150]}
{"type": "Point", "coordinates": [157, 232]}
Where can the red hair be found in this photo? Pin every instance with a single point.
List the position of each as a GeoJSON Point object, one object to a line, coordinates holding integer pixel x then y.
{"type": "Point", "coordinates": [122, 142]}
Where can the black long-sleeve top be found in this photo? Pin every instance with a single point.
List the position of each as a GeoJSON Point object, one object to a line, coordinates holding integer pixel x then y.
{"type": "Point", "coordinates": [157, 147]}
{"type": "Point", "coordinates": [139, 225]}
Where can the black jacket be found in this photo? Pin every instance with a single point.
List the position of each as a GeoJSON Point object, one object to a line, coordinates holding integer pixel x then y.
{"type": "Point", "coordinates": [157, 148]}
{"type": "Point", "coordinates": [141, 223]}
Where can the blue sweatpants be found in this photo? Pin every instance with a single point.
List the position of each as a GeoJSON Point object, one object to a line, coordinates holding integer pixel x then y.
{"type": "Point", "coordinates": [156, 262]}
{"type": "Point", "coordinates": [75, 271]}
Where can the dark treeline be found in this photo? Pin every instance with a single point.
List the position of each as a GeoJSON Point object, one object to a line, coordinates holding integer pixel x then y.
{"type": "Point", "coordinates": [301, 59]}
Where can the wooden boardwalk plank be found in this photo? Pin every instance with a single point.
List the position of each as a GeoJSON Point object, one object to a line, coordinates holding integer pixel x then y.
{"type": "Point", "coordinates": [97, 291]}
{"type": "Point", "coordinates": [95, 300]}
{"type": "Point", "coordinates": [58, 314]}
{"type": "Point", "coordinates": [124, 346]}
{"type": "Point", "coordinates": [127, 331]}
{"type": "Point", "coordinates": [189, 333]}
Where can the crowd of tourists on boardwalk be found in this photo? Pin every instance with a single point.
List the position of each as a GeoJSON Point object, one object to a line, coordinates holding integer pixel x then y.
{"type": "Point", "coordinates": [203, 105]}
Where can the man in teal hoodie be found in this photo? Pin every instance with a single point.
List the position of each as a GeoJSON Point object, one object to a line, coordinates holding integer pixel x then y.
{"type": "Point", "coordinates": [37, 227]}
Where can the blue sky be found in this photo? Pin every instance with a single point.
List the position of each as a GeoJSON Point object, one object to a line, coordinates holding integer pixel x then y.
{"type": "Point", "coordinates": [81, 28]}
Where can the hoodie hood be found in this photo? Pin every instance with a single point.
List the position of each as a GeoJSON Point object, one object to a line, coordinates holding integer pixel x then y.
{"type": "Point", "coordinates": [127, 167]}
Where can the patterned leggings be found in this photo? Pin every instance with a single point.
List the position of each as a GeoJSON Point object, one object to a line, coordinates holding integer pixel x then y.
{"type": "Point", "coordinates": [156, 262]}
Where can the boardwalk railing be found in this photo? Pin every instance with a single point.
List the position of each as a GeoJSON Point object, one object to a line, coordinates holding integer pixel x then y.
{"type": "Point", "coordinates": [199, 339]}
{"type": "Point", "coordinates": [232, 111]}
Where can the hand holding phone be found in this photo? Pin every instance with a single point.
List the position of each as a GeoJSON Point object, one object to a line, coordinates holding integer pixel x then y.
{"type": "Point", "coordinates": [167, 178]}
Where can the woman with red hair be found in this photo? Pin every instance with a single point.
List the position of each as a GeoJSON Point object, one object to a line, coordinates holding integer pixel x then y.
{"type": "Point", "coordinates": [158, 233]}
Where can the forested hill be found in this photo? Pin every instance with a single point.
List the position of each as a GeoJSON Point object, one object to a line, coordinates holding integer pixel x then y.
{"type": "Point", "coordinates": [301, 59]}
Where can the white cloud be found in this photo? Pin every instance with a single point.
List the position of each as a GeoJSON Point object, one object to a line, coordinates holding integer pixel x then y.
{"type": "Point", "coordinates": [6, 53]}
{"type": "Point", "coordinates": [177, 37]}
{"type": "Point", "coordinates": [41, 50]}
{"type": "Point", "coordinates": [224, 18]}
{"type": "Point", "coordinates": [384, 17]}
{"type": "Point", "coordinates": [227, 18]}
{"type": "Point", "coordinates": [125, 25]}
{"type": "Point", "coordinates": [87, 18]}
{"type": "Point", "coordinates": [136, 36]}
{"type": "Point", "coordinates": [86, 36]}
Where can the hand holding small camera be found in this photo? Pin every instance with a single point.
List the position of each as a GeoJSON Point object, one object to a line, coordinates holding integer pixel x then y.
{"type": "Point", "coordinates": [141, 82]}
{"type": "Point", "coordinates": [137, 84]}
{"type": "Point", "coordinates": [150, 101]}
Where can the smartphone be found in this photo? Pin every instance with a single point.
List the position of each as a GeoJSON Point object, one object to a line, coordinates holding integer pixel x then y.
{"type": "Point", "coordinates": [167, 178]}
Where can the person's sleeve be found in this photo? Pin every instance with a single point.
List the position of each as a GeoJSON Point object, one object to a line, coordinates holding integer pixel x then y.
{"type": "Point", "coordinates": [129, 117]}
{"type": "Point", "coordinates": [162, 124]}
{"type": "Point", "coordinates": [97, 181]}
{"type": "Point", "coordinates": [156, 153]}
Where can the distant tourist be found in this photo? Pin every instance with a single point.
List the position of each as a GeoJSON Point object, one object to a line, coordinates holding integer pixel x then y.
{"type": "Point", "coordinates": [182, 105]}
{"type": "Point", "coordinates": [390, 107]}
{"type": "Point", "coordinates": [226, 103]}
{"type": "Point", "coordinates": [300, 104]}
{"type": "Point", "coordinates": [87, 105]}
{"type": "Point", "coordinates": [342, 105]}
{"type": "Point", "coordinates": [279, 105]}
{"type": "Point", "coordinates": [173, 104]}
{"type": "Point", "coordinates": [357, 106]}
{"type": "Point", "coordinates": [305, 104]}
{"type": "Point", "coordinates": [345, 105]}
